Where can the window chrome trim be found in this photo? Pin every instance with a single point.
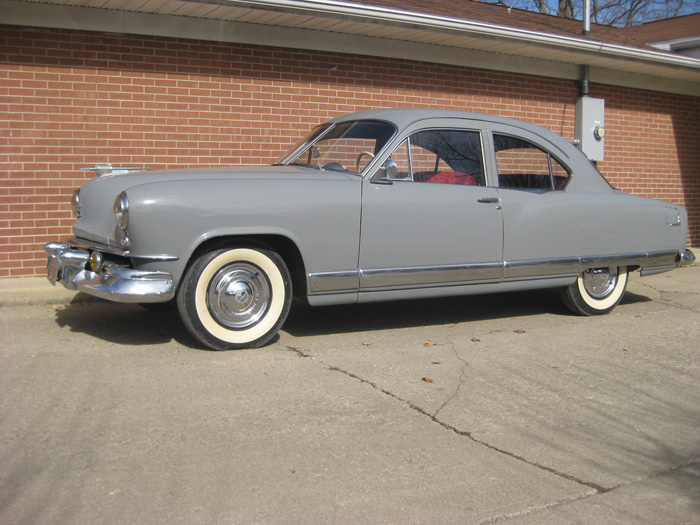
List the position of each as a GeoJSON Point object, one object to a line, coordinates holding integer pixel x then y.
{"type": "Point", "coordinates": [406, 142]}
{"type": "Point", "coordinates": [303, 145]}
{"type": "Point", "coordinates": [538, 146]}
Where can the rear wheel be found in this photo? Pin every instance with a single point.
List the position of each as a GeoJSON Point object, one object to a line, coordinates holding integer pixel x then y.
{"type": "Point", "coordinates": [596, 291]}
{"type": "Point", "coordinates": [232, 298]}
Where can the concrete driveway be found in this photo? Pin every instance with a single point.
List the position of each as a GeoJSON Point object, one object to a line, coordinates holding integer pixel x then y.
{"type": "Point", "coordinates": [494, 409]}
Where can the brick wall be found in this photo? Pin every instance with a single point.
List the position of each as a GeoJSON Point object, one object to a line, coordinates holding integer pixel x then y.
{"type": "Point", "coordinates": [71, 99]}
{"type": "Point", "coordinates": [653, 148]}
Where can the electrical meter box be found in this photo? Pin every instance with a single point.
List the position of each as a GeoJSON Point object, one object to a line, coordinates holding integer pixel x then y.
{"type": "Point", "coordinates": [590, 127]}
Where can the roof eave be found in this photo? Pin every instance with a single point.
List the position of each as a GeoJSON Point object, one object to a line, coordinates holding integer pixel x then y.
{"type": "Point", "coordinates": [428, 22]}
{"type": "Point", "coordinates": [369, 29]}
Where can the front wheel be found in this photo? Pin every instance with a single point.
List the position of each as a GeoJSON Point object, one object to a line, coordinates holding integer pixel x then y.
{"type": "Point", "coordinates": [596, 291]}
{"type": "Point", "coordinates": [233, 298]}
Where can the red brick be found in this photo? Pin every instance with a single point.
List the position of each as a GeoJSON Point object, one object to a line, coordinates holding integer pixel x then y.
{"type": "Point", "coordinates": [179, 103]}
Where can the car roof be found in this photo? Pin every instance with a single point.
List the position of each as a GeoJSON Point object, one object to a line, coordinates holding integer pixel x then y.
{"type": "Point", "coordinates": [402, 117]}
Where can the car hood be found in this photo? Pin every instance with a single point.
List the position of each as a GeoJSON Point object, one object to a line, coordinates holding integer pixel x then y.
{"type": "Point", "coordinates": [98, 195]}
{"type": "Point", "coordinates": [136, 178]}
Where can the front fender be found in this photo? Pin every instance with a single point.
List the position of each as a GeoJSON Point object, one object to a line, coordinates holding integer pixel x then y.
{"type": "Point", "coordinates": [322, 218]}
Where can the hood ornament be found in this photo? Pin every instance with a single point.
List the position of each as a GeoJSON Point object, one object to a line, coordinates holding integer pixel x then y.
{"type": "Point", "coordinates": [106, 168]}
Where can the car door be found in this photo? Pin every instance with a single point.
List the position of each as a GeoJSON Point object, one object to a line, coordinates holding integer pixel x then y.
{"type": "Point", "coordinates": [434, 221]}
{"type": "Point", "coordinates": [541, 219]}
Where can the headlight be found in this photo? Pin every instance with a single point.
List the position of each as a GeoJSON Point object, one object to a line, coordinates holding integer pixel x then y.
{"type": "Point", "coordinates": [75, 204]}
{"type": "Point", "coordinates": [121, 211]}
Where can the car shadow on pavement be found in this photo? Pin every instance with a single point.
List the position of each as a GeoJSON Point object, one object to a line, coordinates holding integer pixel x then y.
{"type": "Point", "coordinates": [307, 320]}
{"type": "Point", "coordinates": [633, 298]}
{"type": "Point", "coordinates": [133, 324]}
{"type": "Point", "coordinates": [125, 324]}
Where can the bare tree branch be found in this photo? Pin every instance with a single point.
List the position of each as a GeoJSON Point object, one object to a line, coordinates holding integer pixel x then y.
{"type": "Point", "coordinates": [566, 9]}
{"type": "Point", "coordinates": [608, 12]}
{"type": "Point", "coordinates": [541, 6]}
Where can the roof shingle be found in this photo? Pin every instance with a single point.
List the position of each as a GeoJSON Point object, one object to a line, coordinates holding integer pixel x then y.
{"type": "Point", "coordinates": [635, 36]}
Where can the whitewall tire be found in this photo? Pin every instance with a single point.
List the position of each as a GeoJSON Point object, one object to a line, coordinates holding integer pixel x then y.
{"type": "Point", "coordinates": [596, 291]}
{"type": "Point", "coordinates": [232, 298]}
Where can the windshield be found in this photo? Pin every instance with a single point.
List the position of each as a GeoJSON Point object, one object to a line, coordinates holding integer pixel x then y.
{"type": "Point", "coordinates": [347, 146]}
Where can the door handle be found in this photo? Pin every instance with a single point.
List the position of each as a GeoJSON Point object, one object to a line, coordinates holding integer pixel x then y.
{"type": "Point", "coordinates": [491, 200]}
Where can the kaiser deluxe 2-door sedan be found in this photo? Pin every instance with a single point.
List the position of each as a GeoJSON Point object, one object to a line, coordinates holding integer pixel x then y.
{"type": "Point", "coordinates": [377, 205]}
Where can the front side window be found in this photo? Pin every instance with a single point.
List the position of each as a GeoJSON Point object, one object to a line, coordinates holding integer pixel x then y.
{"type": "Point", "coordinates": [441, 157]}
{"type": "Point", "coordinates": [347, 146]}
{"type": "Point", "coordinates": [523, 165]}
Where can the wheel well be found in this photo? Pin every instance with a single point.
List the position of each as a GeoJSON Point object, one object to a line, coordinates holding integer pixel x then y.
{"type": "Point", "coordinates": [285, 247]}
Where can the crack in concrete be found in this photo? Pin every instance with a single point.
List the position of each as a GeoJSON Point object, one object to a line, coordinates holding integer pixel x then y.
{"type": "Point", "coordinates": [297, 351]}
{"type": "Point", "coordinates": [451, 428]}
{"type": "Point", "coordinates": [565, 501]}
{"type": "Point", "coordinates": [462, 376]}
{"type": "Point", "coordinates": [662, 291]}
{"type": "Point", "coordinates": [664, 297]}
{"type": "Point", "coordinates": [525, 512]}
{"type": "Point", "coordinates": [596, 488]}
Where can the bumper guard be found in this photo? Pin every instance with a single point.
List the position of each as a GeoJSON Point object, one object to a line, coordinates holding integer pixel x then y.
{"type": "Point", "coordinates": [687, 257]}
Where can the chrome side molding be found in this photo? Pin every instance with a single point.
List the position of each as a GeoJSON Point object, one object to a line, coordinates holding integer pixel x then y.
{"type": "Point", "coordinates": [507, 271]}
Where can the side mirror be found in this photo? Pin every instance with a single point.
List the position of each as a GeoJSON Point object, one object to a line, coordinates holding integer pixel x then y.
{"type": "Point", "coordinates": [387, 173]}
{"type": "Point", "coordinates": [391, 169]}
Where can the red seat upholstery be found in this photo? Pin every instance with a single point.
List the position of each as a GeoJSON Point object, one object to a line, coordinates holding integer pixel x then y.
{"type": "Point", "coordinates": [453, 177]}
{"type": "Point", "coordinates": [560, 182]}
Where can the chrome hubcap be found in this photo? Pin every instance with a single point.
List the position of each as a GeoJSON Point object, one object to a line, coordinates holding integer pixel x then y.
{"type": "Point", "coordinates": [238, 296]}
{"type": "Point", "coordinates": [600, 282]}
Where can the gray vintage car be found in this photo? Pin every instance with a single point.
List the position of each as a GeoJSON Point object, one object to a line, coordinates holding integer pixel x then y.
{"type": "Point", "coordinates": [377, 205]}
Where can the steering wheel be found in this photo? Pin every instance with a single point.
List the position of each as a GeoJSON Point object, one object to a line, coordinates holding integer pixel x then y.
{"type": "Point", "coordinates": [359, 158]}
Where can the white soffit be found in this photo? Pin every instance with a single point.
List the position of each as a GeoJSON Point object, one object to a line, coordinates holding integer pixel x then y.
{"type": "Point", "coordinates": [369, 30]}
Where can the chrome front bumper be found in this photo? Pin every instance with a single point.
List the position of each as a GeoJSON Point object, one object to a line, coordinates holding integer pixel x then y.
{"type": "Point", "coordinates": [71, 267]}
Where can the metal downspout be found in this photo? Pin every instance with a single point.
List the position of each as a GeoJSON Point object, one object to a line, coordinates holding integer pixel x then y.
{"type": "Point", "coordinates": [585, 69]}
